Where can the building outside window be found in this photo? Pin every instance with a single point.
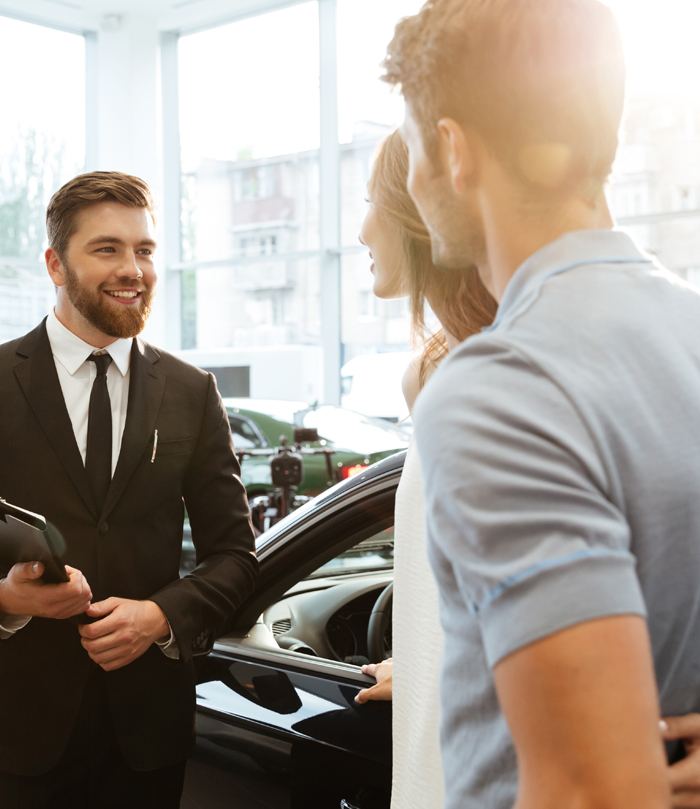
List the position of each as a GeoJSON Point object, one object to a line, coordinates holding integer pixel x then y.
{"type": "Point", "coordinates": [42, 145]}
{"type": "Point", "coordinates": [368, 305]}
{"type": "Point", "coordinates": [250, 170]}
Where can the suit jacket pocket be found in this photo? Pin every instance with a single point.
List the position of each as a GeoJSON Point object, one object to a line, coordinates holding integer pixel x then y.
{"type": "Point", "coordinates": [179, 446]}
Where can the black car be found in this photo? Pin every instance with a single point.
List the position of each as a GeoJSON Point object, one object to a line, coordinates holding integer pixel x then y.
{"type": "Point", "coordinates": [277, 724]}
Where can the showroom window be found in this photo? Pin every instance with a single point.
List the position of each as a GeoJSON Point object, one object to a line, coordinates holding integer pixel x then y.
{"type": "Point", "coordinates": [656, 177]}
{"type": "Point", "coordinates": [254, 258]}
{"type": "Point", "coordinates": [368, 110]}
{"type": "Point", "coordinates": [251, 177]}
{"type": "Point", "coordinates": [42, 145]}
{"type": "Point", "coordinates": [249, 128]}
{"type": "Point", "coordinates": [270, 123]}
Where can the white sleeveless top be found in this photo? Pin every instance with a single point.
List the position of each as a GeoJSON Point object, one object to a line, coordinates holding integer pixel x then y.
{"type": "Point", "coordinates": [417, 652]}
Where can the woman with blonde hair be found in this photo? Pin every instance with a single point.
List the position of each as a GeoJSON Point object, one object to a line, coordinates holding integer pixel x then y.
{"type": "Point", "coordinates": [399, 246]}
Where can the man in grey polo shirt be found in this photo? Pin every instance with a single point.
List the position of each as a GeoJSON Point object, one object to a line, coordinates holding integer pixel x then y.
{"type": "Point", "coordinates": [560, 447]}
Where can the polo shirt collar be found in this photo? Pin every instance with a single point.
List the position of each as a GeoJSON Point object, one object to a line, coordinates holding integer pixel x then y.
{"type": "Point", "coordinates": [573, 249]}
{"type": "Point", "coordinates": [72, 352]}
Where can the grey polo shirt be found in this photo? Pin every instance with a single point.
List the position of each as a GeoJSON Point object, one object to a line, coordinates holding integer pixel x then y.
{"type": "Point", "coordinates": [561, 457]}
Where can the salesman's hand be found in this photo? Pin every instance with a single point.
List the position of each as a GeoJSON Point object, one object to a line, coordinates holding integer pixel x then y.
{"type": "Point", "coordinates": [24, 593]}
{"type": "Point", "coordinates": [125, 630]}
{"type": "Point", "coordinates": [685, 774]}
{"type": "Point", "coordinates": [383, 674]}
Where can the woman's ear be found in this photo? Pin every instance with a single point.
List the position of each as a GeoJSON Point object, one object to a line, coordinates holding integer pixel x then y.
{"type": "Point", "coordinates": [457, 154]}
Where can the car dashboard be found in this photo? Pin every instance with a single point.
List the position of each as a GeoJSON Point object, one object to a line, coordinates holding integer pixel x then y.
{"type": "Point", "coordinates": [327, 617]}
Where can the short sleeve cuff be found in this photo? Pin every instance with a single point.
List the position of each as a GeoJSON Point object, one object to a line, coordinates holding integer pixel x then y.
{"type": "Point", "coordinates": [549, 598]}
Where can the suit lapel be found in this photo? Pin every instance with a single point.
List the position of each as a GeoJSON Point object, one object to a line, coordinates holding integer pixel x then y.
{"type": "Point", "coordinates": [146, 386]}
{"type": "Point", "coordinates": [38, 379]}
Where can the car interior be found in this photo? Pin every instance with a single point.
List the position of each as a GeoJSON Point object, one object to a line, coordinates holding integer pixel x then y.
{"type": "Point", "coordinates": [328, 613]}
{"type": "Point", "coordinates": [340, 612]}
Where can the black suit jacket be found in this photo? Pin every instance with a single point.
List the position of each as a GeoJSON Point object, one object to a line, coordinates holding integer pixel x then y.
{"type": "Point", "coordinates": [131, 548]}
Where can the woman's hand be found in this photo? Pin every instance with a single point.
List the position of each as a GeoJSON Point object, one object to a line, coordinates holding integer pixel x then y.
{"type": "Point", "coordinates": [382, 690]}
{"type": "Point", "coordinates": [684, 775]}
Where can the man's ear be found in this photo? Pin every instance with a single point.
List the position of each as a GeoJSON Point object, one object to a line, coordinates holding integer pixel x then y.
{"type": "Point", "coordinates": [55, 267]}
{"type": "Point", "coordinates": [457, 154]}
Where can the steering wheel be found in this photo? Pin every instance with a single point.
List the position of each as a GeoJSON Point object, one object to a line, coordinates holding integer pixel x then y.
{"type": "Point", "coordinates": [379, 622]}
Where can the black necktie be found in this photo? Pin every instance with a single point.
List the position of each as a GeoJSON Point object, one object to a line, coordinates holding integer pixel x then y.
{"type": "Point", "coordinates": [98, 458]}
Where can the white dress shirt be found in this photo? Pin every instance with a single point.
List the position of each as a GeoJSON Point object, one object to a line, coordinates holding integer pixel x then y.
{"type": "Point", "coordinates": [76, 376]}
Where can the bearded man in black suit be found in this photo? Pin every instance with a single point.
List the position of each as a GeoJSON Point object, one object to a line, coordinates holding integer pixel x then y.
{"type": "Point", "coordinates": [108, 437]}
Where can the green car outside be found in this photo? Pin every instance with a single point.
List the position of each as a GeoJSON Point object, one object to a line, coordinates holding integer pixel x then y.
{"type": "Point", "coordinates": [356, 440]}
{"type": "Point", "coordinates": [257, 425]}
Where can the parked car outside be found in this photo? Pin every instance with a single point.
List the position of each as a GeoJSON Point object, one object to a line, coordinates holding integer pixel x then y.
{"type": "Point", "coordinates": [277, 724]}
{"type": "Point", "coordinates": [258, 424]}
{"type": "Point", "coordinates": [371, 384]}
{"type": "Point", "coordinates": [357, 440]}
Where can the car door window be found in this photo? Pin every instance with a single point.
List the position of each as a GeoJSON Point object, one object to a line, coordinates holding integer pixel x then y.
{"type": "Point", "coordinates": [375, 553]}
{"type": "Point", "coordinates": [326, 615]}
{"type": "Point", "coordinates": [245, 436]}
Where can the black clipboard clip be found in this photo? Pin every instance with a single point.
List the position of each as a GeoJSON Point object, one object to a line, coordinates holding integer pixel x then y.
{"type": "Point", "coordinates": [35, 520]}
{"type": "Point", "coordinates": [29, 537]}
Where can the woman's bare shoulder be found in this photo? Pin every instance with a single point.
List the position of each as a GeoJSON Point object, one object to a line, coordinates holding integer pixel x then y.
{"type": "Point", "coordinates": [411, 382]}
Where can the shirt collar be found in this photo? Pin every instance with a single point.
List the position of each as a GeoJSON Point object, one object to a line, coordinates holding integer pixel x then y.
{"type": "Point", "coordinates": [72, 352]}
{"type": "Point", "coordinates": [574, 249]}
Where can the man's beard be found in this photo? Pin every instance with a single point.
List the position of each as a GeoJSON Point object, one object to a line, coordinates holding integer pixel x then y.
{"type": "Point", "coordinates": [458, 241]}
{"type": "Point", "coordinates": [114, 321]}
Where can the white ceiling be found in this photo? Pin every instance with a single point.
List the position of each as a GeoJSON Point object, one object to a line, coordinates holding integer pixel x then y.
{"type": "Point", "coordinates": [172, 15]}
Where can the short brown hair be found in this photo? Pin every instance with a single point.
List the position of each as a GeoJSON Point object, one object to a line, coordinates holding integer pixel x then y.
{"type": "Point", "coordinates": [523, 73]}
{"type": "Point", "coordinates": [465, 304]}
{"type": "Point", "coordinates": [90, 189]}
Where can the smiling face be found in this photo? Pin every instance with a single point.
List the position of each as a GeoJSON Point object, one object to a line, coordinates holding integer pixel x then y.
{"type": "Point", "coordinates": [382, 235]}
{"type": "Point", "coordinates": [107, 280]}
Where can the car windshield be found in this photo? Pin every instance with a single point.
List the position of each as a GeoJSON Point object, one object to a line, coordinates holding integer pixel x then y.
{"type": "Point", "coordinates": [375, 553]}
{"type": "Point", "coordinates": [346, 429]}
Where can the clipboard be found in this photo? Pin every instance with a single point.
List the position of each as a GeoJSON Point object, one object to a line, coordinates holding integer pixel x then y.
{"type": "Point", "coordinates": [28, 537]}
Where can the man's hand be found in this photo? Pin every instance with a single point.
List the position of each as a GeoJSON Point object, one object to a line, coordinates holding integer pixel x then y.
{"type": "Point", "coordinates": [685, 774]}
{"type": "Point", "coordinates": [125, 630]}
{"type": "Point", "coordinates": [383, 674]}
{"type": "Point", "coordinates": [24, 593]}
{"type": "Point", "coordinates": [582, 709]}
